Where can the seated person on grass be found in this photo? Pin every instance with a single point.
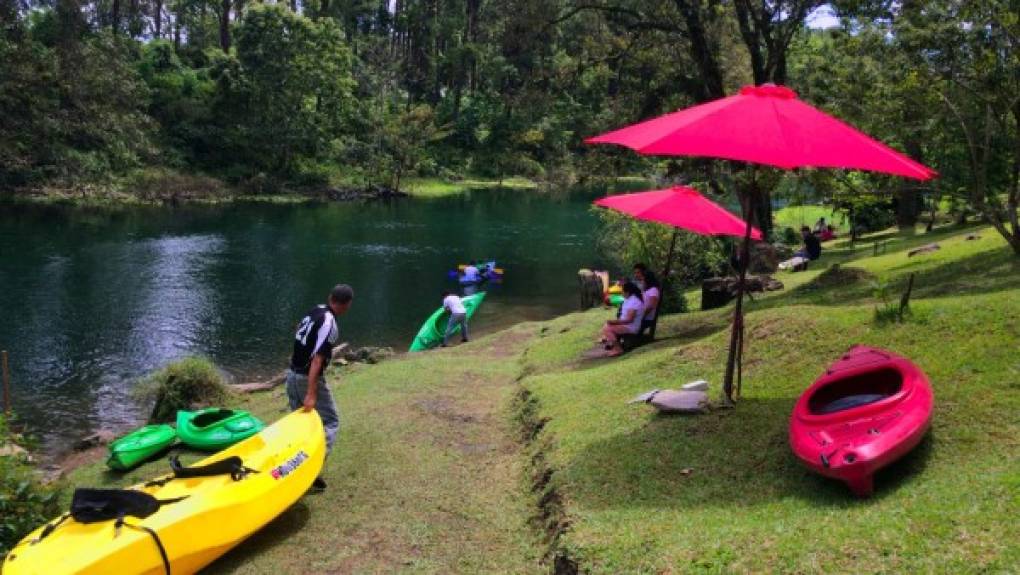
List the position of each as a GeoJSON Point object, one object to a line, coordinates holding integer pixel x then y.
{"type": "Point", "coordinates": [651, 295]}
{"type": "Point", "coordinates": [812, 248]}
{"type": "Point", "coordinates": [631, 313]}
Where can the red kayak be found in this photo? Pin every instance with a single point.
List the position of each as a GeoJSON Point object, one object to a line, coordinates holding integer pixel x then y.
{"type": "Point", "coordinates": [867, 410]}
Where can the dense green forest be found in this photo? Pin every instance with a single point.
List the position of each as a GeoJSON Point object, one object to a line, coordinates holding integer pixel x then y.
{"type": "Point", "coordinates": [356, 92]}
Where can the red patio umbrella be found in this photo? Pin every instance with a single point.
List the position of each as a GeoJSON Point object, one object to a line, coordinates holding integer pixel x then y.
{"type": "Point", "coordinates": [762, 125]}
{"type": "Point", "coordinates": [680, 207]}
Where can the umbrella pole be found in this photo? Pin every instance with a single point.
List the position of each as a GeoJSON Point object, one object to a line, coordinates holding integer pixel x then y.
{"type": "Point", "coordinates": [733, 358]}
{"type": "Point", "coordinates": [666, 270]}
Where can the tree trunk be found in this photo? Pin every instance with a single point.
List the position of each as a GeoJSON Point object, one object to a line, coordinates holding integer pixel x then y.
{"type": "Point", "coordinates": [177, 28]}
{"type": "Point", "coordinates": [238, 9]}
{"type": "Point", "coordinates": [906, 197]}
{"type": "Point", "coordinates": [115, 17]}
{"type": "Point", "coordinates": [225, 26]}
{"type": "Point", "coordinates": [157, 19]}
{"type": "Point", "coordinates": [293, 6]}
{"type": "Point", "coordinates": [132, 26]}
{"type": "Point", "coordinates": [473, 7]}
{"type": "Point", "coordinates": [701, 50]}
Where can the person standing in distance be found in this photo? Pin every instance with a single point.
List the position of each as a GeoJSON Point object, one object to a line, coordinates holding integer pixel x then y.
{"type": "Point", "coordinates": [316, 335]}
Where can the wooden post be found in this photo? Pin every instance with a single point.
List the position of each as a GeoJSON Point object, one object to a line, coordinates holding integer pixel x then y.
{"type": "Point", "coordinates": [7, 384]}
{"type": "Point", "coordinates": [667, 269]}
{"type": "Point", "coordinates": [905, 300]}
{"type": "Point", "coordinates": [734, 357]}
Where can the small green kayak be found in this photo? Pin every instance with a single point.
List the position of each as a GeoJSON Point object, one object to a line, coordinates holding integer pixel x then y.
{"type": "Point", "coordinates": [215, 428]}
{"type": "Point", "coordinates": [616, 300]}
{"type": "Point", "coordinates": [431, 333]}
{"type": "Point", "coordinates": [140, 445]}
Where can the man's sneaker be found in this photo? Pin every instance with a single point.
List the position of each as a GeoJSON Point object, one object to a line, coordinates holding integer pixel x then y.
{"type": "Point", "coordinates": [465, 340]}
{"type": "Point", "coordinates": [319, 484]}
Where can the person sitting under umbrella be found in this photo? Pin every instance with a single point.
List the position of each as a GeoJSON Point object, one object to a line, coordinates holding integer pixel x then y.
{"type": "Point", "coordinates": [632, 312]}
{"type": "Point", "coordinates": [651, 295]}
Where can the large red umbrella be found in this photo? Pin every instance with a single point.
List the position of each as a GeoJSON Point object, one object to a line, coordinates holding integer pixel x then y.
{"type": "Point", "coordinates": [680, 207]}
{"type": "Point", "coordinates": [762, 125]}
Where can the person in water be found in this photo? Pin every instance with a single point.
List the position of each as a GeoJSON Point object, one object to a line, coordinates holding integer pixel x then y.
{"type": "Point", "coordinates": [632, 312]}
{"type": "Point", "coordinates": [314, 339]}
{"type": "Point", "coordinates": [458, 316]}
{"type": "Point", "coordinates": [471, 273]}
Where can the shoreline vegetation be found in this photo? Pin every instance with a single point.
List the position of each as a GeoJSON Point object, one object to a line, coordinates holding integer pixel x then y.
{"type": "Point", "coordinates": [543, 466]}
{"type": "Point", "coordinates": [169, 188]}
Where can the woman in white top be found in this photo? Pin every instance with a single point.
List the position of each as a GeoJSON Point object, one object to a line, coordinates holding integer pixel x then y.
{"type": "Point", "coordinates": [631, 313]}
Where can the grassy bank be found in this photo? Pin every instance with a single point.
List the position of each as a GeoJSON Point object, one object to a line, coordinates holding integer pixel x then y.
{"type": "Point", "coordinates": [440, 188]}
{"type": "Point", "coordinates": [516, 454]}
{"type": "Point", "coordinates": [722, 492]}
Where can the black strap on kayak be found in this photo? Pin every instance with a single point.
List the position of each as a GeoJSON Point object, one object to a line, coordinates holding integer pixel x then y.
{"type": "Point", "coordinates": [232, 466]}
{"type": "Point", "coordinates": [152, 533]}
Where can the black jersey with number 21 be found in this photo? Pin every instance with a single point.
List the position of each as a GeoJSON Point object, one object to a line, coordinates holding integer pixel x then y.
{"type": "Point", "coordinates": [316, 334]}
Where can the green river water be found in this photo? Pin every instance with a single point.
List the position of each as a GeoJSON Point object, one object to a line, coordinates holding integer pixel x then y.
{"type": "Point", "coordinates": [92, 299]}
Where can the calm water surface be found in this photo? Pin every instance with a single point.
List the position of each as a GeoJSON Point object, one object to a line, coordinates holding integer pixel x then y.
{"type": "Point", "coordinates": [92, 299]}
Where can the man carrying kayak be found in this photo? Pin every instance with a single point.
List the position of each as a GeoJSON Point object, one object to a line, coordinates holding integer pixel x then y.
{"type": "Point", "coordinates": [316, 335]}
{"type": "Point", "coordinates": [458, 316]}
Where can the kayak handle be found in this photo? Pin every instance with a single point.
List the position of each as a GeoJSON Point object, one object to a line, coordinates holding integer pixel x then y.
{"type": "Point", "coordinates": [825, 460]}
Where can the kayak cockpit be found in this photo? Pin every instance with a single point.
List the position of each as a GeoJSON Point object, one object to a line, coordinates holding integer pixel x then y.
{"type": "Point", "coordinates": [209, 417]}
{"type": "Point", "coordinates": [855, 391]}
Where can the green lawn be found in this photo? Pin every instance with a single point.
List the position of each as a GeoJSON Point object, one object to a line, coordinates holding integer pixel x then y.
{"type": "Point", "coordinates": [797, 216]}
{"type": "Point", "coordinates": [746, 504]}
{"type": "Point", "coordinates": [514, 453]}
{"type": "Point", "coordinates": [439, 188]}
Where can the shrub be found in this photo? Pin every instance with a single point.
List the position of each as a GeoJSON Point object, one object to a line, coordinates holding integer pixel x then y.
{"type": "Point", "coordinates": [183, 384]}
{"type": "Point", "coordinates": [25, 502]}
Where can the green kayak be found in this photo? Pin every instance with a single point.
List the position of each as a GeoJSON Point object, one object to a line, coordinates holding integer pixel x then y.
{"type": "Point", "coordinates": [140, 445]}
{"type": "Point", "coordinates": [616, 300]}
{"type": "Point", "coordinates": [215, 428]}
{"type": "Point", "coordinates": [431, 333]}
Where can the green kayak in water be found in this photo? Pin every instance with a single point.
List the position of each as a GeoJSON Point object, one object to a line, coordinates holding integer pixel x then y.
{"type": "Point", "coordinates": [215, 428]}
{"type": "Point", "coordinates": [140, 445]}
{"type": "Point", "coordinates": [431, 333]}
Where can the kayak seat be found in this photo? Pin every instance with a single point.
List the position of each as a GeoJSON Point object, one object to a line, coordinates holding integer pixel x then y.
{"type": "Point", "coordinates": [856, 391]}
{"type": "Point", "coordinates": [232, 466]}
{"type": "Point", "coordinates": [850, 402]}
{"type": "Point", "coordinates": [210, 417]}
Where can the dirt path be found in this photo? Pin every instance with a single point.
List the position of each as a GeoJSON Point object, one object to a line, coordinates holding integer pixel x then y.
{"type": "Point", "coordinates": [426, 477]}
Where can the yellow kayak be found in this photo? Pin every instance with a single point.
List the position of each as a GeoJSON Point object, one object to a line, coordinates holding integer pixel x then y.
{"type": "Point", "coordinates": [215, 514]}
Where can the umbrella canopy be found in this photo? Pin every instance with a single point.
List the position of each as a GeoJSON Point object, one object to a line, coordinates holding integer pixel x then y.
{"type": "Point", "coordinates": [764, 125]}
{"type": "Point", "coordinates": [680, 207]}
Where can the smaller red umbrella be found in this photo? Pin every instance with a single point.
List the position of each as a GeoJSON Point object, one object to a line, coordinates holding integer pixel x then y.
{"type": "Point", "coordinates": [680, 207]}
{"type": "Point", "coordinates": [683, 208]}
